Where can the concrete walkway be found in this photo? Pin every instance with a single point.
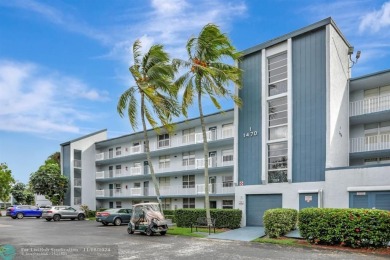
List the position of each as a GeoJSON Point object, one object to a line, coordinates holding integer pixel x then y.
{"type": "Point", "coordinates": [240, 234]}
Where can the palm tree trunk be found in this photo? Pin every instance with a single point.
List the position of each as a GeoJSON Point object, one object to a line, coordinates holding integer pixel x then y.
{"type": "Point", "coordinates": [147, 150]}
{"type": "Point", "coordinates": [206, 161]}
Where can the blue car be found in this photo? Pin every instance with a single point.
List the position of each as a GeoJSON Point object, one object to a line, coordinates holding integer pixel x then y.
{"type": "Point", "coordinates": [21, 211]}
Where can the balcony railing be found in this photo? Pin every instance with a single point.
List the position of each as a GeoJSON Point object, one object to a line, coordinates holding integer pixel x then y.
{"type": "Point", "coordinates": [369, 105]}
{"type": "Point", "coordinates": [370, 143]}
{"type": "Point", "coordinates": [199, 163]}
{"type": "Point", "coordinates": [198, 189]}
{"type": "Point", "coordinates": [122, 173]}
{"type": "Point", "coordinates": [77, 182]}
{"type": "Point", "coordinates": [173, 141]}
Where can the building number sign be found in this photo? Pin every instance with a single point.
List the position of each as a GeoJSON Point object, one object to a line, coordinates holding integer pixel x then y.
{"type": "Point", "coordinates": [250, 133]}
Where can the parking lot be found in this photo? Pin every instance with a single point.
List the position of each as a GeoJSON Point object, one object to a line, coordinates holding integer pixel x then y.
{"type": "Point", "coordinates": [33, 238]}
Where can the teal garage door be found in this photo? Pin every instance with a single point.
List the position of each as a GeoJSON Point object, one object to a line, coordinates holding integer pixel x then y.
{"type": "Point", "coordinates": [257, 204]}
{"type": "Point", "coordinates": [370, 199]}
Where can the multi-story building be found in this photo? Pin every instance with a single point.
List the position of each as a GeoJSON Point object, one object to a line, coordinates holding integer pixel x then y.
{"type": "Point", "coordinates": [307, 135]}
{"type": "Point", "coordinates": [115, 172]}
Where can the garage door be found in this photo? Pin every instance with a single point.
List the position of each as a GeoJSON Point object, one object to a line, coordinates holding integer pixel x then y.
{"type": "Point", "coordinates": [370, 199]}
{"type": "Point", "coordinates": [256, 205]}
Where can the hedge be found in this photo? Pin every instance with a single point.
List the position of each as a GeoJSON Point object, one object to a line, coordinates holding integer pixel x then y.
{"type": "Point", "coordinates": [224, 218]}
{"type": "Point", "coordinates": [277, 222]}
{"type": "Point", "coordinates": [346, 227]}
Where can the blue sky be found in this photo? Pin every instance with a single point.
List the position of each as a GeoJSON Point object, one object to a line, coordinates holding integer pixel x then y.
{"type": "Point", "coordinates": [63, 64]}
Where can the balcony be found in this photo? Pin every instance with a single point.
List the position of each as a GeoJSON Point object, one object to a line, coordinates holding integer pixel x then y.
{"type": "Point", "coordinates": [77, 163]}
{"type": "Point", "coordinates": [370, 143]}
{"type": "Point", "coordinates": [198, 189]}
{"type": "Point", "coordinates": [173, 141]}
{"type": "Point", "coordinates": [77, 200]}
{"type": "Point", "coordinates": [133, 171]}
{"type": "Point", "coordinates": [370, 105]}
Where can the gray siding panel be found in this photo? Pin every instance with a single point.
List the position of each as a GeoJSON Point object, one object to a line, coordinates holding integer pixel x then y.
{"type": "Point", "coordinates": [309, 107]}
{"type": "Point", "coordinates": [258, 204]}
{"type": "Point", "coordinates": [65, 160]}
{"type": "Point", "coordinates": [308, 200]}
{"type": "Point", "coordinates": [249, 148]}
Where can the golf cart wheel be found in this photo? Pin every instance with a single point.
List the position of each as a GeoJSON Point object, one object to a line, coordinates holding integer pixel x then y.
{"type": "Point", "coordinates": [148, 232]}
{"type": "Point", "coordinates": [130, 231]}
{"type": "Point", "coordinates": [163, 233]}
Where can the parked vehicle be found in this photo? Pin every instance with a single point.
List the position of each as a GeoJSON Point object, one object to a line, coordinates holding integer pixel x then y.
{"type": "Point", "coordinates": [115, 216]}
{"type": "Point", "coordinates": [62, 212]}
{"type": "Point", "coordinates": [147, 218]}
{"type": "Point", "coordinates": [21, 211]}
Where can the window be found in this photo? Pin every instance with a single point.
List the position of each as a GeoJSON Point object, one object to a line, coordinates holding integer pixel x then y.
{"type": "Point", "coordinates": [188, 158]}
{"type": "Point", "coordinates": [277, 74]}
{"type": "Point", "coordinates": [188, 203]}
{"type": "Point", "coordinates": [227, 204]}
{"type": "Point", "coordinates": [118, 169]}
{"type": "Point", "coordinates": [164, 162]}
{"type": "Point", "coordinates": [163, 140]}
{"type": "Point", "coordinates": [118, 204]}
{"type": "Point", "coordinates": [118, 187]}
{"type": "Point", "coordinates": [227, 157]}
{"type": "Point", "coordinates": [227, 181]}
{"type": "Point", "coordinates": [164, 182]}
{"type": "Point", "coordinates": [227, 130]}
{"type": "Point", "coordinates": [166, 203]}
{"type": "Point", "coordinates": [377, 99]}
{"type": "Point", "coordinates": [277, 162]}
{"type": "Point", "coordinates": [277, 117]}
{"type": "Point", "coordinates": [188, 136]}
{"type": "Point", "coordinates": [137, 185]}
{"type": "Point", "coordinates": [118, 151]}
{"type": "Point", "coordinates": [189, 181]}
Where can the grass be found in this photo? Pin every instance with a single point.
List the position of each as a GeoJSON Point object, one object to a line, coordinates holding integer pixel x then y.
{"type": "Point", "coordinates": [181, 231]}
{"type": "Point", "coordinates": [284, 241]}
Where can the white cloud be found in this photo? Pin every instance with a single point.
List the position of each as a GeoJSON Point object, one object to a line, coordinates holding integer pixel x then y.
{"type": "Point", "coordinates": [377, 20]}
{"type": "Point", "coordinates": [40, 101]}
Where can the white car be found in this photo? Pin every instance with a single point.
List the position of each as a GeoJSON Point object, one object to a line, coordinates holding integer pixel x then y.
{"type": "Point", "coordinates": [62, 212]}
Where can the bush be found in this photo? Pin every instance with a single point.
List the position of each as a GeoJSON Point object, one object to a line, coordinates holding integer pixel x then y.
{"type": "Point", "coordinates": [224, 218]}
{"type": "Point", "coordinates": [347, 227]}
{"type": "Point", "coordinates": [170, 217]}
{"type": "Point", "coordinates": [278, 222]}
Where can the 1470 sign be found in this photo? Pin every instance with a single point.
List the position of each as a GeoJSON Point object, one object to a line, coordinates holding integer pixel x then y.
{"type": "Point", "coordinates": [250, 133]}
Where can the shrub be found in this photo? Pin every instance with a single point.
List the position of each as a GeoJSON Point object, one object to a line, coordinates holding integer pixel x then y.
{"type": "Point", "coordinates": [224, 218]}
{"type": "Point", "coordinates": [347, 227]}
{"type": "Point", "coordinates": [278, 222]}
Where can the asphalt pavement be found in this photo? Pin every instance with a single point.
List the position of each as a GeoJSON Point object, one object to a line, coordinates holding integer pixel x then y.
{"type": "Point", "coordinates": [32, 238]}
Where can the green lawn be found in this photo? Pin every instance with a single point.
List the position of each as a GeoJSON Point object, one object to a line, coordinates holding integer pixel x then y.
{"type": "Point", "coordinates": [181, 231]}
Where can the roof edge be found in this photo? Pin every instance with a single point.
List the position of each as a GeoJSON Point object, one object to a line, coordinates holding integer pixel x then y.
{"type": "Point", "coordinates": [82, 137]}
{"type": "Point", "coordinates": [371, 75]}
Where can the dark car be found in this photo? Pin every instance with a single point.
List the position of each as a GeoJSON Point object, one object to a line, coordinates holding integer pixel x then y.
{"type": "Point", "coordinates": [21, 211]}
{"type": "Point", "coordinates": [114, 216]}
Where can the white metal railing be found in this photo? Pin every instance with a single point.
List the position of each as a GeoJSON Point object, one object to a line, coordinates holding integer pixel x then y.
{"type": "Point", "coordinates": [199, 163]}
{"type": "Point", "coordinates": [369, 143]}
{"type": "Point", "coordinates": [198, 189]}
{"type": "Point", "coordinates": [77, 200]}
{"type": "Point", "coordinates": [369, 105]}
{"type": "Point", "coordinates": [227, 163]}
{"type": "Point", "coordinates": [100, 175]}
{"type": "Point", "coordinates": [136, 170]}
{"type": "Point", "coordinates": [173, 141]}
{"type": "Point", "coordinates": [77, 163]}
{"type": "Point", "coordinates": [77, 181]}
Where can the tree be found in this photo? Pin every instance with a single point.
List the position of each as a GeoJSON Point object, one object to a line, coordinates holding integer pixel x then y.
{"type": "Point", "coordinates": [18, 194]}
{"type": "Point", "coordinates": [54, 158]}
{"type": "Point", "coordinates": [153, 75]}
{"type": "Point", "coordinates": [48, 181]}
{"type": "Point", "coordinates": [6, 181]}
{"type": "Point", "coordinates": [207, 74]}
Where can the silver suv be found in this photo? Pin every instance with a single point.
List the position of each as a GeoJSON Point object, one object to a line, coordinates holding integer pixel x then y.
{"type": "Point", "coordinates": [62, 212]}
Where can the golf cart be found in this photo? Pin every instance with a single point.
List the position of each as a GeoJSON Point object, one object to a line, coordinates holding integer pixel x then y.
{"type": "Point", "coordinates": [147, 218]}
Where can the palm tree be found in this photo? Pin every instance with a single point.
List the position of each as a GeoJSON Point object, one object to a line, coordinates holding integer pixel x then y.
{"type": "Point", "coordinates": [208, 75]}
{"type": "Point", "coordinates": [153, 75]}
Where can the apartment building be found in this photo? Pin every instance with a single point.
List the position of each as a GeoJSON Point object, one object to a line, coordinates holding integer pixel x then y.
{"type": "Point", "coordinates": [308, 135]}
{"type": "Point", "coordinates": [118, 172]}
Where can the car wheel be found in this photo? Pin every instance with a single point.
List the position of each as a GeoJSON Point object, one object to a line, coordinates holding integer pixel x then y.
{"type": "Point", "coordinates": [104, 223]}
{"type": "Point", "coordinates": [81, 217]}
{"type": "Point", "coordinates": [163, 233]}
{"type": "Point", "coordinates": [56, 217]}
{"type": "Point", "coordinates": [148, 232]}
{"type": "Point", "coordinates": [117, 222]}
{"type": "Point", "coordinates": [19, 215]}
{"type": "Point", "coordinates": [48, 219]}
{"type": "Point", "coordinates": [130, 230]}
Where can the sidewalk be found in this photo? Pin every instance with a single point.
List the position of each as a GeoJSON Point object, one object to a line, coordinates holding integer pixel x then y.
{"type": "Point", "coordinates": [240, 234]}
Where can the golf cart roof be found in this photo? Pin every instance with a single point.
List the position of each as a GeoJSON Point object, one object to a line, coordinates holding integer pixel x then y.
{"type": "Point", "coordinates": [145, 204]}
